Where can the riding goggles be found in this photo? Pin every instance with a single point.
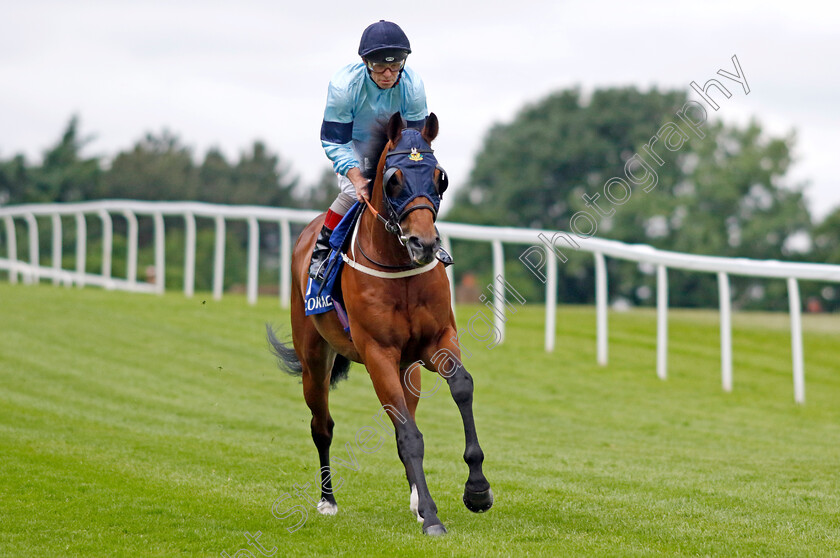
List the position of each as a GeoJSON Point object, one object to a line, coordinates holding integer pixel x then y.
{"type": "Point", "coordinates": [380, 67]}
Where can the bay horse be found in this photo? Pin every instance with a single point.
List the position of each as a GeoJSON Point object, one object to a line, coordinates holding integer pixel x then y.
{"type": "Point", "coordinates": [396, 318]}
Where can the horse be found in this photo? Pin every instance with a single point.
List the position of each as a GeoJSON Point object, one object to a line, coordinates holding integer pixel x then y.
{"type": "Point", "coordinates": [397, 301]}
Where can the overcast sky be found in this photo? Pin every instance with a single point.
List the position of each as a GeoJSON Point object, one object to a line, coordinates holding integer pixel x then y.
{"type": "Point", "coordinates": [227, 73]}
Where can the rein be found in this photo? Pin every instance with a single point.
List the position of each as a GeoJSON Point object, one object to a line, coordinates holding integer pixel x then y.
{"type": "Point", "coordinates": [393, 220]}
{"type": "Point", "coordinates": [368, 258]}
{"type": "Point", "coordinates": [375, 272]}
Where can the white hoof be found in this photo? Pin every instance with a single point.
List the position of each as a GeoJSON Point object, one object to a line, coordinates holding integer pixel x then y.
{"type": "Point", "coordinates": [326, 508]}
{"type": "Point", "coordinates": [414, 503]}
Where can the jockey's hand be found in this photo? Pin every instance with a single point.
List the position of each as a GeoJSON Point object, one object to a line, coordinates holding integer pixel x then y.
{"type": "Point", "coordinates": [359, 183]}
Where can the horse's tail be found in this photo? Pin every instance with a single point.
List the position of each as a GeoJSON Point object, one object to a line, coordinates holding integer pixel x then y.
{"type": "Point", "coordinates": [340, 369]}
{"type": "Point", "coordinates": [287, 359]}
{"type": "Point", "coordinates": [289, 363]}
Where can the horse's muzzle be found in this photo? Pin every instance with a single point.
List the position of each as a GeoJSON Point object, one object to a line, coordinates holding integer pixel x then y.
{"type": "Point", "coordinates": [422, 251]}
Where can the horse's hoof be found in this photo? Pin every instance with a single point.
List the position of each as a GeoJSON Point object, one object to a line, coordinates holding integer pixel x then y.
{"type": "Point", "coordinates": [478, 502]}
{"type": "Point", "coordinates": [327, 508]}
{"type": "Point", "coordinates": [434, 530]}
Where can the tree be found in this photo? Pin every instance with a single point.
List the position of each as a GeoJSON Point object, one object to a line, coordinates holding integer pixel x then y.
{"type": "Point", "coordinates": [528, 170]}
{"type": "Point", "coordinates": [827, 250]}
{"type": "Point", "coordinates": [215, 178]}
{"type": "Point", "coordinates": [827, 239]}
{"type": "Point", "coordinates": [260, 178]}
{"type": "Point", "coordinates": [532, 171]}
{"type": "Point", "coordinates": [728, 198]}
{"type": "Point", "coordinates": [722, 194]}
{"type": "Point", "coordinates": [157, 168]}
{"type": "Point", "coordinates": [15, 180]}
{"type": "Point", "coordinates": [322, 194]}
{"type": "Point", "coordinates": [63, 176]}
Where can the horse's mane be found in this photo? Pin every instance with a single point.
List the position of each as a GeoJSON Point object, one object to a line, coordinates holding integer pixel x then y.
{"type": "Point", "coordinates": [374, 147]}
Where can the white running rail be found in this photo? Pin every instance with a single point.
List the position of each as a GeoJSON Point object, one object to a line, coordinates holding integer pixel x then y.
{"type": "Point", "coordinates": [32, 271]}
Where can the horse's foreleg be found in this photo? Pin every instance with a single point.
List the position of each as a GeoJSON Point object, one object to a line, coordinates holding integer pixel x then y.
{"type": "Point", "coordinates": [387, 384]}
{"type": "Point", "coordinates": [411, 392]}
{"type": "Point", "coordinates": [478, 497]}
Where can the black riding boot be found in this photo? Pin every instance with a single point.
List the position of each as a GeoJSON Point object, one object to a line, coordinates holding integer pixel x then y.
{"type": "Point", "coordinates": [444, 257]}
{"type": "Point", "coordinates": [320, 254]}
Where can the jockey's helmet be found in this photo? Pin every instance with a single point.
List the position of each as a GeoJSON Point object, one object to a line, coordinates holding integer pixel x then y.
{"type": "Point", "coordinates": [384, 42]}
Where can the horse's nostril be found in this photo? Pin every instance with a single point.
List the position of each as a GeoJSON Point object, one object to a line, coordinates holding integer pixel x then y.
{"type": "Point", "coordinates": [421, 250]}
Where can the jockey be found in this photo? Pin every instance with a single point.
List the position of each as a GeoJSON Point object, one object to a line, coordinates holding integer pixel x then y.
{"type": "Point", "coordinates": [360, 94]}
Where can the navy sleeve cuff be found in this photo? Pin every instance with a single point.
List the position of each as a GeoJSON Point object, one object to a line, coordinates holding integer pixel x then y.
{"type": "Point", "coordinates": [336, 132]}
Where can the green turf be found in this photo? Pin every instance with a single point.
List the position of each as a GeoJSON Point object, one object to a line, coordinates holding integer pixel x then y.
{"type": "Point", "coordinates": [137, 425]}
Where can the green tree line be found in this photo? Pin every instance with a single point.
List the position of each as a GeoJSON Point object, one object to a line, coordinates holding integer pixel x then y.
{"type": "Point", "coordinates": [160, 167]}
{"type": "Point", "coordinates": [715, 189]}
{"type": "Point", "coordinates": [726, 193]}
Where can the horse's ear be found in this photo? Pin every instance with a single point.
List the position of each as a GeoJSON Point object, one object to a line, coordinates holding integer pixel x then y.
{"type": "Point", "coordinates": [395, 127]}
{"type": "Point", "coordinates": [430, 130]}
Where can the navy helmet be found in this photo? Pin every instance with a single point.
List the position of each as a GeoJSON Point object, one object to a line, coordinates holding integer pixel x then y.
{"type": "Point", "coordinates": [384, 42]}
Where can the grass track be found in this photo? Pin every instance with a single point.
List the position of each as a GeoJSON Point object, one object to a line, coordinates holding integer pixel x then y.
{"type": "Point", "coordinates": [134, 425]}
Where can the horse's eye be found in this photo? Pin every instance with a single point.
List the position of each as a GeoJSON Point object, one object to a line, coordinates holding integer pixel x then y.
{"type": "Point", "coordinates": [395, 185]}
{"type": "Point", "coordinates": [442, 181]}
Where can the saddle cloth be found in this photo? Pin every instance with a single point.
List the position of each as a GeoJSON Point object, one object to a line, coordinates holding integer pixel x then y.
{"type": "Point", "coordinates": [321, 298]}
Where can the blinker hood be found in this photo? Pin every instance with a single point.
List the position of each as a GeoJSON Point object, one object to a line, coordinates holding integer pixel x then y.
{"type": "Point", "coordinates": [416, 160]}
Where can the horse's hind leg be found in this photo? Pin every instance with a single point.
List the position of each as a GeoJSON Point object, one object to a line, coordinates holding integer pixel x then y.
{"type": "Point", "coordinates": [321, 426]}
{"type": "Point", "coordinates": [478, 497]}
{"type": "Point", "coordinates": [316, 363]}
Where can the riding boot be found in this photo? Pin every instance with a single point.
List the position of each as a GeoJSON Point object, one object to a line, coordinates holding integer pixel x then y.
{"type": "Point", "coordinates": [444, 257]}
{"type": "Point", "coordinates": [320, 255]}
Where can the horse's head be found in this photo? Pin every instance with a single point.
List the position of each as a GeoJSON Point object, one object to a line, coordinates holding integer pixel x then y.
{"type": "Point", "coordinates": [411, 183]}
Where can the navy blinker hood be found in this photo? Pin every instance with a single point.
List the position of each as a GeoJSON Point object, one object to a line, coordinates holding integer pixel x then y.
{"type": "Point", "coordinates": [415, 158]}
